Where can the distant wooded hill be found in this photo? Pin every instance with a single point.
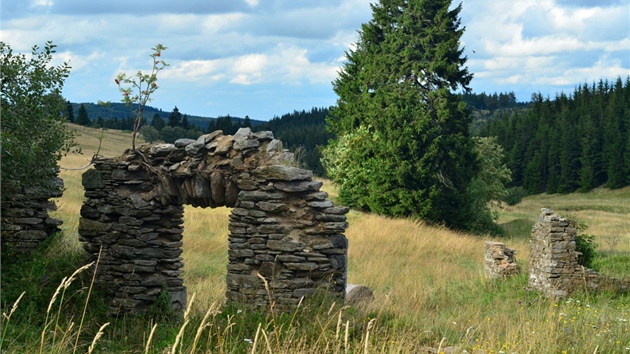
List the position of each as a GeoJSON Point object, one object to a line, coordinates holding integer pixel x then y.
{"type": "Point", "coordinates": [121, 111]}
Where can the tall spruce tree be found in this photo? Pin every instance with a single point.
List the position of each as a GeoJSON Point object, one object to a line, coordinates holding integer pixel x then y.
{"type": "Point", "coordinates": [174, 118]}
{"type": "Point", "coordinates": [82, 117]}
{"type": "Point", "coordinates": [402, 146]}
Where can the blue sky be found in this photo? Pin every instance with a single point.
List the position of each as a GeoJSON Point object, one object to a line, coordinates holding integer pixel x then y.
{"type": "Point", "coordinates": [264, 58]}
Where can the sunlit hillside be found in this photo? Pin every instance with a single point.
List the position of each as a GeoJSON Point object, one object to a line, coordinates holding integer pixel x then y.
{"type": "Point", "coordinates": [430, 289]}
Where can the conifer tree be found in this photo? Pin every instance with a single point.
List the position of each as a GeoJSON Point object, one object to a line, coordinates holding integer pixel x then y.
{"type": "Point", "coordinates": [402, 132]}
{"type": "Point", "coordinates": [82, 116]}
{"type": "Point", "coordinates": [175, 118]}
{"type": "Point", "coordinates": [69, 112]}
{"type": "Point", "coordinates": [157, 122]}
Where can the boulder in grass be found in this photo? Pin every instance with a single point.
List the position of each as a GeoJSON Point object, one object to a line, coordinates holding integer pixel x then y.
{"type": "Point", "coordinates": [358, 295]}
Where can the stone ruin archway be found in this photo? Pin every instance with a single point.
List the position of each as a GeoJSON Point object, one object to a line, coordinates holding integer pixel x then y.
{"type": "Point", "coordinates": [282, 227]}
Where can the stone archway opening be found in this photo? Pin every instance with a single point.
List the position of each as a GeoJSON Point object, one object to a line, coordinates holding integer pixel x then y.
{"type": "Point", "coordinates": [205, 253]}
{"type": "Point", "coordinates": [283, 231]}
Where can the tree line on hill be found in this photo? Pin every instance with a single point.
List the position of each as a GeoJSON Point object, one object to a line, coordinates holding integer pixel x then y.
{"type": "Point", "coordinates": [570, 143]}
{"type": "Point", "coordinates": [168, 129]}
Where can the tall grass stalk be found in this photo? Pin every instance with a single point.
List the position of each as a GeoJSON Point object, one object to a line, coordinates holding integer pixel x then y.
{"type": "Point", "coordinates": [146, 348]}
{"type": "Point", "coordinates": [98, 335]}
{"type": "Point", "coordinates": [76, 342]}
{"type": "Point", "coordinates": [202, 326]}
{"type": "Point", "coordinates": [255, 343]}
{"type": "Point", "coordinates": [8, 317]}
{"type": "Point", "coordinates": [63, 286]}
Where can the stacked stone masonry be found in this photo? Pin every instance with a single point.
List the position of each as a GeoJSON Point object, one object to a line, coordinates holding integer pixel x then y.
{"type": "Point", "coordinates": [500, 261]}
{"type": "Point", "coordinates": [553, 265]}
{"type": "Point", "coordinates": [25, 219]}
{"type": "Point", "coordinates": [286, 239]}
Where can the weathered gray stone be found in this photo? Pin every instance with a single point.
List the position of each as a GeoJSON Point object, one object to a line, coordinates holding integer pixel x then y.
{"type": "Point", "coordinates": [180, 143]}
{"type": "Point", "coordinates": [244, 144]}
{"type": "Point", "coordinates": [92, 179]}
{"type": "Point", "coordinates": [358, 295]}
{"type": "Point", "coordinates": [138, 201]}
{"type": "Point", "coordinates": [299, 186]}
{"type": "Point", "coordinates": [500, 261]}
{"type": "Point", "coordinates": [281, 245]}
{"type": "Point", "coordinates": [263, 135]}
{"type": "Point", "coordinates": [282, 173]}
{"type": "Point", "coordinates": [206, 138]}
{"type": "Point", "coordinates": [272, 207]}
{"type": "Point", "coordinates": [162, 150]}
{"type": "Point", "coordinates": [194, 147]}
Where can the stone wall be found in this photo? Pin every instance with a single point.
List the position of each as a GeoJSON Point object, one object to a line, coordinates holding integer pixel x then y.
{"type": "Point", "coordinates": [553, 263]}
{"type": "Point", "coordinates": [500, 261]}
{"type": "Point", "coordinates": [285, 238]}
{"type": "Point", "coordinates": [25, 220]}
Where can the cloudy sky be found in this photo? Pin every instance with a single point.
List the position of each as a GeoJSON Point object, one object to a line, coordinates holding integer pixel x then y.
{"type": "Point", "coordinates": [264, 58]}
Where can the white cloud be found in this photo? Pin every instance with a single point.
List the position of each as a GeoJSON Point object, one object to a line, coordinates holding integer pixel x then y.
{"type": "Point", "coordinates": [249, 69]}
{"type": "Point", "coordinates": [42, 3]}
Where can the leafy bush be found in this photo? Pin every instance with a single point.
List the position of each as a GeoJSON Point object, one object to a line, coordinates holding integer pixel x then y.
{"type": "Point", "coordinates": [514, 195]}
{"type": "Point", "coordinates": [585, 244]}
{"type": "Point", "coordinates": [34, 134]}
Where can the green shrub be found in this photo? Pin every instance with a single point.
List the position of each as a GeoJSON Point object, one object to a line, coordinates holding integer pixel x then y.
{"type": "Point", "coordinates": [585, 244]}
{"type": "Point", "coordinates": [514, 195]}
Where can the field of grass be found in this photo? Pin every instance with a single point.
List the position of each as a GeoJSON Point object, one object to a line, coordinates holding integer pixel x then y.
{"type": "Point", "coordinates": [431, 294]}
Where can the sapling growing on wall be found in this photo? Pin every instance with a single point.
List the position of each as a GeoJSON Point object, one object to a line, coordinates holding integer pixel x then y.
{"type": "Point", "coordinates": [137, 89]}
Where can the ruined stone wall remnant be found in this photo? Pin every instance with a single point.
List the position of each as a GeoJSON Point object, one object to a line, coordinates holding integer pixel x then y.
{"type": "Point", "coordinates": [553, 266]}
{"type": "Point", "coordinates": [500, 261]}
{"type": "Point", "coordinates": [282, 229]}
{"type": "Point", "coordinates": [25, 219]}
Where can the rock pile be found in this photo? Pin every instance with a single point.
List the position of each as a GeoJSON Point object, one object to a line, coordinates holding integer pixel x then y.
{"type": "Point", "coordinates": [25, 220]}
{"type": "Point", "coordinates": [286, 239]}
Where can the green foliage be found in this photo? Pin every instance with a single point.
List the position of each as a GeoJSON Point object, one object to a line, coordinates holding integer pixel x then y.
{"type": "Point", "coordinates": [346, 163]}
{"type": "Point", "coordinates": [140, 87]}
{"type": "Point", "coordinates": [82, 116]}
{"type": "Point", "coordinates": [487, 189]}
{"type": "Point", "coordinates": [175, 118]}
{"type": "Point", "coordinates": [585, 244]}
{"type": "Point", "coordinates": [170, 134]}
{"type": "Point", "coordinates": [69, 112]}
{"type": "Point", "coordinates": [34, 135]}
{"type": "Point", "coordinates": [150, 134]}
{"type": "Point", "coordinates": [414, 156]}
{"type": "Point", "coordinates": [157, 122]}
{"type": "Point", "coordinates": [514, 195]}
